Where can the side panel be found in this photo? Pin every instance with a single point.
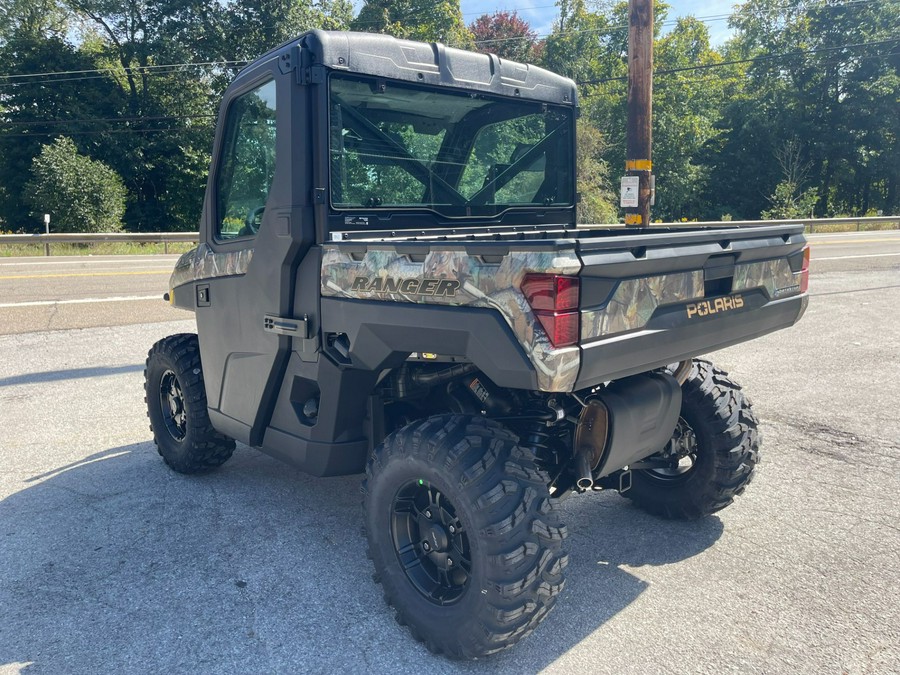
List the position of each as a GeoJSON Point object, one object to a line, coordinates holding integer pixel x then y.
{"type": "Point", "coordinates": [455, 277]}
{"type": "Point", "coordinates": [383, 334]}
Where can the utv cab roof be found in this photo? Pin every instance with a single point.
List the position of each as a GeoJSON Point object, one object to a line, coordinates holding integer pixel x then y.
{"type": "Point", "coordinates": [425, 63]}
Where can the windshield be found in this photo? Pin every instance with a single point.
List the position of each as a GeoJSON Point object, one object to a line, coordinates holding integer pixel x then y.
{"type": "Point", "coordinates": [457, 153]}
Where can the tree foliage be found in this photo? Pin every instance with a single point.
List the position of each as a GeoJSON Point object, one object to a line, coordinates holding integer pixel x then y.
{"type": "Point", "coordinates": [33, 19]}
{"type": "Point", "coordinates": [507, 35]}
{"type": "Point", "coordinates": [821, 72]}
{"type": "Point", "coordinates": [823, 75]}
{"type": "Point", "coordinates": [597, 198]}
{"type": "Point", "coordinates": [425, 20]}
{"type": "Point", "coordinates": [79, 193]}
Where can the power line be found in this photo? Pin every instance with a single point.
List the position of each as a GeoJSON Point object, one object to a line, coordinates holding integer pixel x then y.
{"type": "Point", "coordinates": [508, 10]}
{"type": "Point", "coordinates": [173, 67]}
{"type": "Point", "coordinates": [136, 69]}
{"type": "Point", "coordinates": [140, 118]}
{"type": "Point", "coordinates": [767, 57]}
{"type": "Point", "coordinates": [165, 117]}
{"type": "Point", "coordinates": [712, 78]}
{"type": "Point", "coordinates": [79, 79]}
{"type": "Point", "coordinates": [607, 30]}
{"type": "Point", "coordinates": [96, 133]}
{"type": "Point", "coordinates": [704, 19]}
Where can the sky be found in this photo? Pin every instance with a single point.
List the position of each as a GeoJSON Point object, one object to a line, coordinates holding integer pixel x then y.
{"type": "Point", "coordinates": [541, 13]}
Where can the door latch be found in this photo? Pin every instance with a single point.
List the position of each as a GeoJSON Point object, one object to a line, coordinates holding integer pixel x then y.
{"type": "Point", "coordinates": [298, 328]}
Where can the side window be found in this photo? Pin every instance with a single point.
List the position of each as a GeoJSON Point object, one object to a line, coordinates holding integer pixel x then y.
{"type": "Point", "coordinates": [248, 163]}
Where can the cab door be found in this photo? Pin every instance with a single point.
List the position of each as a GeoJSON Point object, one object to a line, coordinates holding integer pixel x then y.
{"type": "Point", "coordinates": [250, 252]}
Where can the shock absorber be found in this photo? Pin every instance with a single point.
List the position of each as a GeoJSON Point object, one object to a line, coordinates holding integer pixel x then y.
{"type": "Point", "coordinates": [537, 436]}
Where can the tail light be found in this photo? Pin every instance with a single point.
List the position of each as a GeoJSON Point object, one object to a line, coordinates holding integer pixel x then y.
{"type": "Point", "coordinates": [554, 298]}
{"type": "Point", "coordinates": [804, 271]}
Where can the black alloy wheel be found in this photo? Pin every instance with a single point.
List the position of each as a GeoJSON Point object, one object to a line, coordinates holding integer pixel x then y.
{"type": "Point", "coordinates": [175, 395]}
{"type": "Point", "coordinates": [680, 455]}
{"type": "Point", "coordinates": [431, 543]}
{"type": "Point", "coordinates": [463, 534]}
{"type": "Point", "coordinates": [171, 405]}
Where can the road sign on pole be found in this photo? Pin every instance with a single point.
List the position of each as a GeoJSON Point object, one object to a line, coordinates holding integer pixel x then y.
{"type": "Point", "coordinates": [640, 108]}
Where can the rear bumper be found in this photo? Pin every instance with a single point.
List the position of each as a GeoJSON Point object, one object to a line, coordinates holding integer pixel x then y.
{"type": "Point", "coordinates": [635, 352]}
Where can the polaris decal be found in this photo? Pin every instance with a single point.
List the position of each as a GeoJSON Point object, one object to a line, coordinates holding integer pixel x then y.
{"type": "Point", "coordinates": [439, 288]}
{"type": "Point", "coordinates": [707, 307]}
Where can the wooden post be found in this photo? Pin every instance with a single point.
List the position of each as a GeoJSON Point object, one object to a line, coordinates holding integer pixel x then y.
{"type": "Point", "coordinates": [640, 107]}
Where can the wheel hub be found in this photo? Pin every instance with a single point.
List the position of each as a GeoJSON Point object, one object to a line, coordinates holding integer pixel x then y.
{"type": "Point", "coordinates": [680, 453]}
{"type": "Point", "coordinates": [435, 537]}
{"type": "Point", "coordinates": [431, 543]}
{"type": "Point", "coordinates": [171, 403]}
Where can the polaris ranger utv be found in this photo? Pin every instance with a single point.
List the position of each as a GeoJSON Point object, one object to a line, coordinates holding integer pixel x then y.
{"type": "Point", "coordinates": [390, 280]}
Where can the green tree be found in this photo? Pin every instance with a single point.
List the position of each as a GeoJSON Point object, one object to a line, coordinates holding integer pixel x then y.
{"type": "Point", "coordinates": [789, 199]}
{"type": "Point", "coordinates": [32, 18]}
{"type": "Point", "coordinates": [33, 109]}
{"type": "Point", "coordinates": [687, 106]}
{"type": "Point", "coordinates": [597, 198]}
{"type": "Point", "coordinates": [425, 20]}
{"type": "Point", "coordinates": [827, 74]}
{"type": "Point", "coordinates": [586, 45]}
{"type": "Point", "coordinates": [81, 194]}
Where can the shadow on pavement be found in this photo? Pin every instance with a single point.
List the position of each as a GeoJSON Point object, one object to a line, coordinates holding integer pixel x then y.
{"type": "Point", "coordinates": [116, 564]}
{"type": "Point", "coordinates": [70, 374]}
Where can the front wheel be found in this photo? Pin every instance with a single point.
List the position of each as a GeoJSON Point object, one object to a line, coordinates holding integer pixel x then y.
{"type": "Point", "coordinates": [463, 534]}
{"type": "Point", "coordinates": [176, 405]}
{"type": "Point", "coordinates": [712, 455]}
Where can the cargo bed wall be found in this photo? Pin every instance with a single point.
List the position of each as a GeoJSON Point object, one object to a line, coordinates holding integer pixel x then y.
{"type": "Point", "coordinates": [647, 299]}
{"type": "Point", "coordinates": [654, 299]}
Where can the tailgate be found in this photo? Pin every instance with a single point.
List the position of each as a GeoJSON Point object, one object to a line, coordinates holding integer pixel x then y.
{"type": "Point", "coordinates": [652, 299]}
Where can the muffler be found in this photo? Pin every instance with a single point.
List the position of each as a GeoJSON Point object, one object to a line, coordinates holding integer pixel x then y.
{"type": "Point", "coordinates": [590, 441]}
{"type": "Point", "coordinates": [628, 421]}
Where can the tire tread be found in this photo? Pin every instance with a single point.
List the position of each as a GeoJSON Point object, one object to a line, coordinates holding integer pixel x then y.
{"type": "Point", "coordinates": [732, 428]}
{"type": "Point", "coordinates": [204, 448]}
{"type": "Point", "coordinates": [518, 526]}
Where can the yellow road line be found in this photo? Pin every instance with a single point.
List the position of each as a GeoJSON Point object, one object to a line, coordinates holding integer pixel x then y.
{"type": "Point", "coordinates": [82, 274]}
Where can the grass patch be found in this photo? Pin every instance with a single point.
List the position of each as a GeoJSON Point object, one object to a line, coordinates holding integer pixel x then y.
{"type": "Point", "coordinates": [851, 227]}
{"type": "Point", "coordinates": [100, 248]}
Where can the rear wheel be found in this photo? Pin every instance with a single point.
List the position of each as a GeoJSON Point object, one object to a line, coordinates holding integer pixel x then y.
{"type": "Point", "coordinates": [176, 405]}
{"type": "Point", "coordinates": [712, 454]}
{"type": "Point", "coordinates": [463, 535]}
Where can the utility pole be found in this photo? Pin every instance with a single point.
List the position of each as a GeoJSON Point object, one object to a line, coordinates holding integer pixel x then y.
{"type": "Point", "coordinates": [638, 164]}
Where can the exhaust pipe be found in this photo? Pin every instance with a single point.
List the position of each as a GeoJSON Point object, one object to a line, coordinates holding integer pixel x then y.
{"type": "Point", "coordinates": [590, 442]}
{"type": "Point", "coordinates": [683, 371]}
{"type": "Point", "coordinates": [583, 471]}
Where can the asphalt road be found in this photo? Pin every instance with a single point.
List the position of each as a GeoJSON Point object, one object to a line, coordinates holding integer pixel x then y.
{"type": "Point", "coordinates": [87, 291]}
{"type": "Point", "coordinates": [84, 291]}
{"type": "Point", "coordinates": [109, 562]}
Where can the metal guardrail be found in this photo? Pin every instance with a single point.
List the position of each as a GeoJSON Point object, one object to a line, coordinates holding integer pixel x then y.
{"type": "Point", "coordinates": [811, 223]}
{"type": "Point", "coordinates": [164, 238]}
{"type": "Point", "coordinates": [167, 238]}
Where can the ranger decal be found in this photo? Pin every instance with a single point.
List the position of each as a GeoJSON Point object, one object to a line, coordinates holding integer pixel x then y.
{"type": "Point", "coordinates": [440, 288]}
